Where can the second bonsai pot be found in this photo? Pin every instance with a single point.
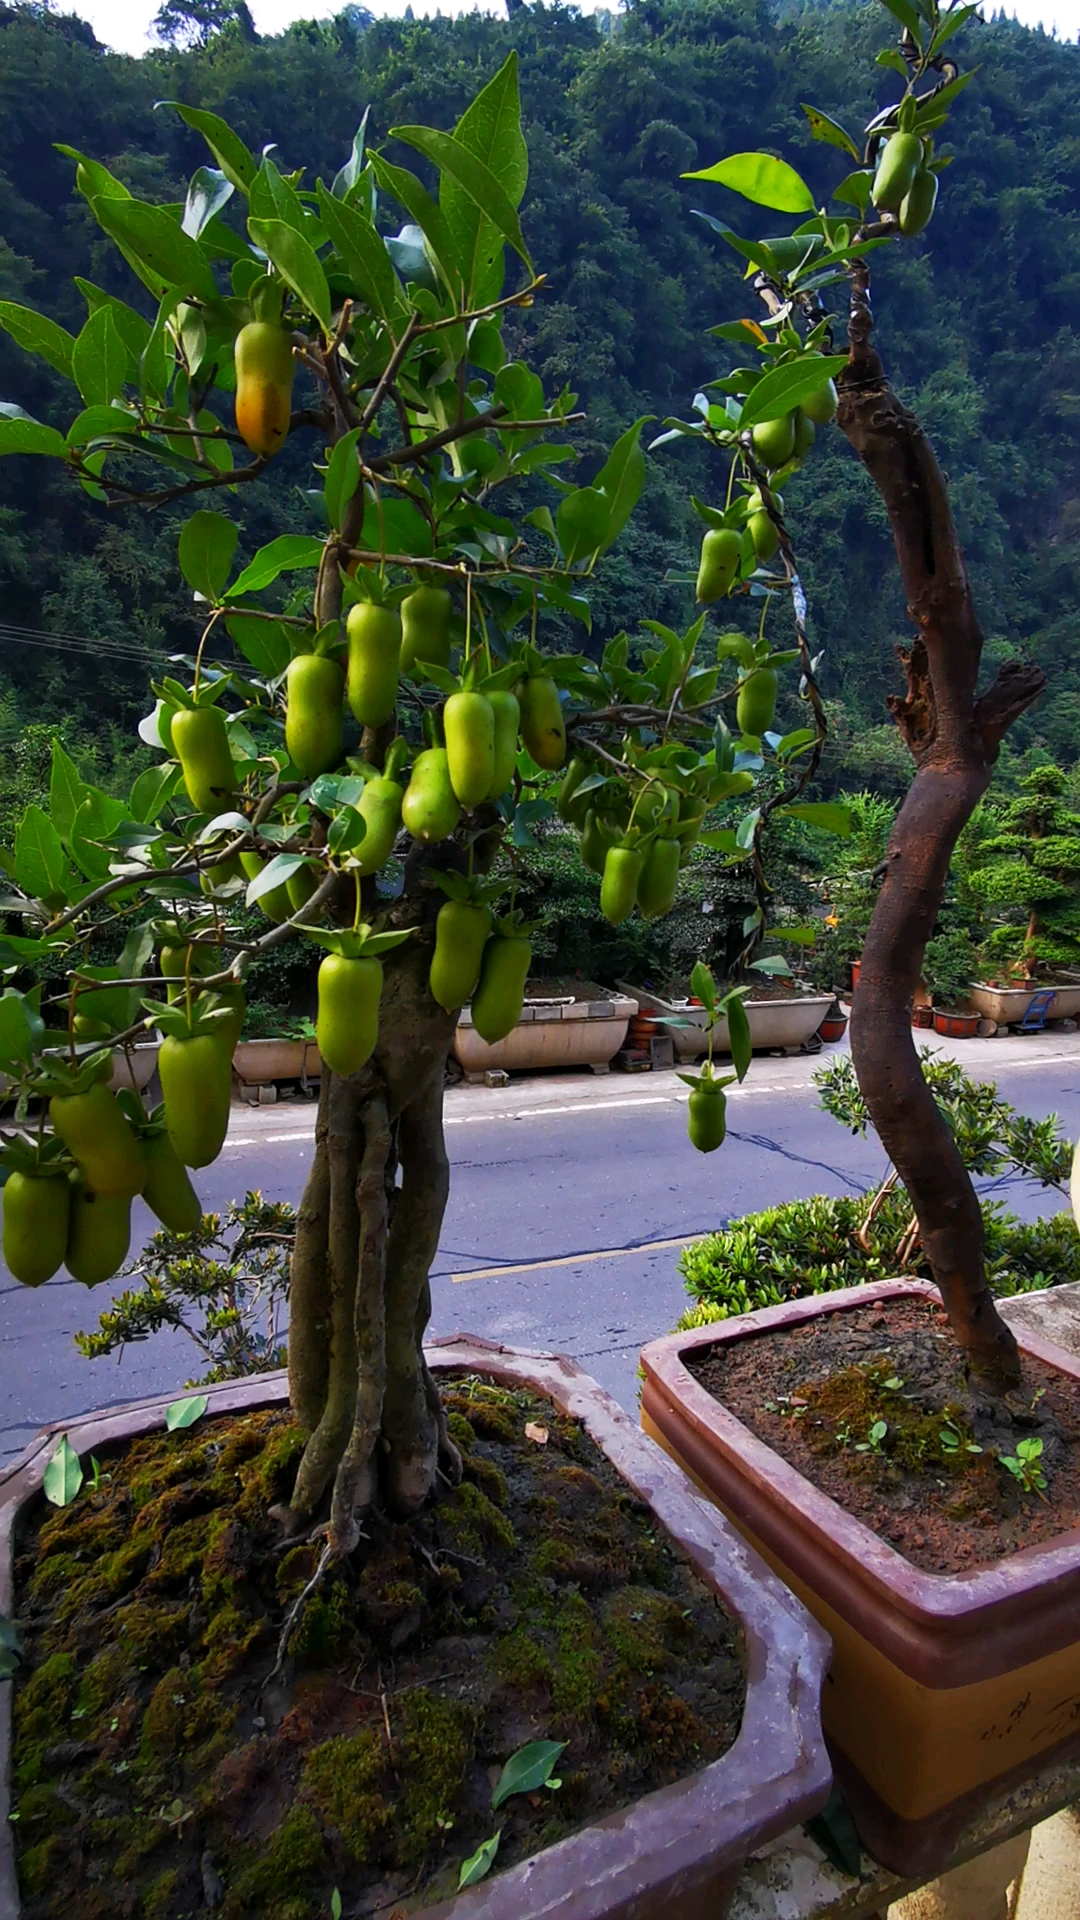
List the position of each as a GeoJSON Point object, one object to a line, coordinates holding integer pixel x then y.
{"type": "Point", "coordinates": [674, 1854]}
{"type": "Point", "coordinates": [940, 1683]}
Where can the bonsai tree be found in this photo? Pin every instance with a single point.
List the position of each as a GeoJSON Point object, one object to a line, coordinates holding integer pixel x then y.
{"type": "Point", "coordinates": [367, 762]}
{"type": "Point", "coordinates": [1026, 871]}
{"type": "Point", "coordinates": [764, 419]}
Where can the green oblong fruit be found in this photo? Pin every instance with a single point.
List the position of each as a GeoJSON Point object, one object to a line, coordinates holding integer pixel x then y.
{"type": "Point", "coordinates": [380, 806]}
{"type": "Point", "coordinates": [756, 704]}
{"type": "Point", "coordinates": [543, 729]}
{"type": "Point", "coordinates": [763, 534]}
{"type": "Point", "coordinates": [173, 963]}
{"type": "Point", "coordinates": [461, 931]}
{"type": "Point", "coordinates": [347, 1024]}
{"type": "Point", "coordinates": [196, 1082]}
{"type": "Point", "coordinates": [227, 1032]}
{"type": "Point", "coordinates": [85, 1027]}
{"type": "Point", "coordinates": [500, 995]}
{"type": "Point", "coordinates": [220, 874]}
{"type": "Point", "coordinates": [804, 433]}
{"type": "Point", "coordinates": [300, 886]}
{"type": "Point", "coordinates": [821, 406]}
{"type": "Point", "coordinates": [168, 1191]}
{"type": "Point", "coordinates": [899, 163]}
{"type": "Point", "coordinates": [618, 888]}
{"type": "Point", "coordinates": [99, 1234]}
{"type": "Point", "coordinates": [314, 691]}
{"type": "Point", "coordinates": [374, 635]}
{"type": "Point", "coordinates": [430, 809]}
{"type": "Point", "coordinates": [425, 629]}
{"type": "Point", "coordinates": [101, 1143]}
{"type": "Point", "coordinates": [36, 1211]}
{"type": "Point", "coordinates": [659, 878]}
{"type": "Point", "coordinates": [469, 731]}
{"type": "Point", "coordinates": [275, 904]}
{"type": "Point", "coordinates": [596, 839]}
{"type": "Point", "coordinates": [917, 206]}
{"type": "Point", "coordinates": [691, 820]}
{"type": "Point", "coordinates": [718, 566]}
{"type": "Point", "coordinates": [507, 711]}
{"type": "Point", "coordinates": [568, 806]}
{"type": "Point", "coordinates": [706, 1121]}
{"type": "Point", "coordinates": [201, 744]}
{"type": "Point", "coordinates": [774, 440]}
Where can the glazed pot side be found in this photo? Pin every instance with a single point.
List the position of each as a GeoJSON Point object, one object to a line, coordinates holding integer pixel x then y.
{"type": "Point", "coordinates": [672, 1855]}
{"type": "Point", "coordinates": [939, 1684]}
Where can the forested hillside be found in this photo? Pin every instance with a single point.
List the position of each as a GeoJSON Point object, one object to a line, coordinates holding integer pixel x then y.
{"type": "Point", "coordinates": [976, 321]}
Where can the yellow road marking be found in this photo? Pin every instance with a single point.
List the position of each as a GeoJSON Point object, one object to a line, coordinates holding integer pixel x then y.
{"type": "Point", "coordinates": [576, 1259]}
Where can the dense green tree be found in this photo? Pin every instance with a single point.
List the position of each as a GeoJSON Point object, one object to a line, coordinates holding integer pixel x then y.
{"type": "Point", "coordinates": [1026, 872]}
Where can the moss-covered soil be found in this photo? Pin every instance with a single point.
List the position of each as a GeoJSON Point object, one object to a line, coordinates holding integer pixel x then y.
{"type": "Point", "coordinates": [157, 1774]}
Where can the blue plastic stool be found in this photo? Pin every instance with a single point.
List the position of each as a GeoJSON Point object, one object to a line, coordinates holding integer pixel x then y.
{"type": "Point", "coordinates": [1034, 1020]}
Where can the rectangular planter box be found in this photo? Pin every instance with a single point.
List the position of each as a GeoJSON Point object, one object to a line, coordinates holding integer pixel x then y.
{"type": "Point", "coordinates": [258, 1062]}
{"type": "Point", "coordinates": [939, 1683]}
{"type": "Point", "coordinates": [675, 1854]}
{"type": "Point", "coordinates": [773, 1023]}
{"type": "Point", "coordinates": [1006, 1005]}
{"type": "Point", "coordinates": [134, 1067]}
{"type": "Point", "coordinates": [578, 1034]}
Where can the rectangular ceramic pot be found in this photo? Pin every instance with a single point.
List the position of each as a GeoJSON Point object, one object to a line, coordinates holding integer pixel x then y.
{"type": "Point", "coordinates": [673, 1855]}
{"type": "Point", "coordinates": [939, 1683]}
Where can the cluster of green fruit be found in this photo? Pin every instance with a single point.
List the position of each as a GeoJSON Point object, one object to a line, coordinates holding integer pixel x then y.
{"type": "Point", "coordinates": [750, 535]}
{"type": "Point", "coordinates": [636, 843]}
{"type": "Point", "coordinates": [67, 1201]}
{"type": "Point", "coordinates": [904, 183]}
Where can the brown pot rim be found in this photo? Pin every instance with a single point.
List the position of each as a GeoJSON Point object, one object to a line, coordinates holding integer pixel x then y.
{"type": "Point", "coordinates": [662, 1849]}
{"type": "Point", "coordinates": [947, 1630]}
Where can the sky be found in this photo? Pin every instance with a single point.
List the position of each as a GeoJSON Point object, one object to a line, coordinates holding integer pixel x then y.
{"type": "Point", "coordinates": [125, 24]}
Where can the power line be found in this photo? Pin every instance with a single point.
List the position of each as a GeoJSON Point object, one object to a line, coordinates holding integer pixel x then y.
{"type": "Point", "coordinates": [75, 643]}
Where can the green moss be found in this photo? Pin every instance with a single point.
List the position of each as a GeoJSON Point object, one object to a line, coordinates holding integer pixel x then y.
{"type": "Point", "coordinates": [520, 1661]}
{"type": "Point", "coordinates": [344, 1781]}
{"type": "Point", "coordinates": [641, 1626]}
{"type": "Point", "coordinates": [843, 1409]}
{"type": "Point", "coordinates": [578, 1663]}
{"type": "Point", "coordinates": [436, 1744]}
{"type": "Point", "coordinates": [143, 1835]}
{"type": "Point", "coordinates": [152, 1632]}
{"type": "Point", "coordinates": [492, 1412]}
{"type": "Point", "coordinates": [326, 1627]}
{"type": "Point", "coordinates": [472, 1523]}
{"type": "Point", "coordinates": [42, 1865]}
{"type": "Point", "coordinates": [158, 1898]}
{"type": "Point", "coordinates": [42, 1812]}
{"type": "Point", "coordinates": [54, 1573]}
{"type": "Point", "coordinates": [272, 1880]}
{"type": "Point", "coordinates": [101, 1686]}
{"type": "Point", "coordinates": [296, 1569]}
{"type": "Point", "coordinates": [43, 1702]}
{"type": "Point", "coordinates": [669, 1728]}
{"type": "Point", "coordinates": [163, 1721]}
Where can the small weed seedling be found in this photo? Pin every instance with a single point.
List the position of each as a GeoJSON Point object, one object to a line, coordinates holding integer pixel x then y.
{"type": "Point", "coordinates": [953, 1442]}
{"type": "Point", "coordinates": [1025, 1465]}
{"type": "Point", "coordinates": [875, 1439]}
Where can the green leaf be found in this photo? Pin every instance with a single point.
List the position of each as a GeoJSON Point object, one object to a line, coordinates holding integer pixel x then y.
{"type": "Point", "coordinates": [742, 1052]}
{"type": "Point", "coordinates": [100, 362]}
{"type": "Point", "coordinates": [226, 146]}
{"type": "Point", "coordinates": [38, 334]}
{"type": "Point", "coordinates": [473, 177]}
{"type": "Point", "coordinates": [773, 963]}
{"type": "Point", "coordinates": [335, 1897]}
{"type": "Point", "coordinates": [101, 423]}
{"type": "Point", "coordinates": [744, 832]}
{"type": "Point", "coordinates": [828, 815]}
{"type": "Point", "coordinates": [906, 14]}
{"type": "Point", "coordinates": [152, 240]}
{"type": "Point", "coordinates": [208, 191]}
{"type": "Point", "coordinates": [854, 189]}
{"type": "Point", "coordinates": [429, 217]}
{"type": "Point", "coordinates": [582, 524]}
{"type": "Point", "coordinates": [622, 478]}
{"type": "Point", "coordinates": [40, 866]}
{"type": "Point", "coordinates": [342, 477]}
{"type": "Point", "coordinates": [63, 1475]}
{"type": "Point", "coordinates": [479, 1863]}
{"type": "Point", "coordinates": [289, 553]}
{"type": "Point", "coordinates": [888, 57]}
{"type": "Point", "coordinates": [760, 178]}
{"type": "Point", "coordinates": [16, 1029]}
{"type": "Point", "coordinates": [490, 129]}
{"type": "Point", "coordinates": [24, 435]}
{"type": "Point", "coordinates": [66, 790]}
{"type": "Point", "coordinates": [263, 643]}
{"type": "Point", "coordinates": [134, 331]}
{"type": "Point", "coordinates": [205, 551]}
{"type": "Point", "coordinates": [531, 1767]}
{"type": "Point", "coordinates": [274, 874]}
{"type": "Point", "coordinates": [363, 254]}
{"type": "Point", "coordinates": [298, 264]}
{"type": "Point", "coordinates": [184, 1413]}
{"type": "Point", "coordinates": [348, 175]}
{"type": "Point", "coordinates": [152, 790]}
{"type": "Point", "coordinates": [11, 1647]}
{"type": "Point", "coordinates": [788, 385]}
{"type": "Point", "coordinates": [823, 127]}
{"type": "Point", "coordinates": [950, 24]}
{"type": "Point", "coordinates": [703, 986]}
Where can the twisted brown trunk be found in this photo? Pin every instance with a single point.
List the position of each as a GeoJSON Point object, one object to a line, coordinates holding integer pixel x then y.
{"type": "Point", "coordinates": [954, 735]}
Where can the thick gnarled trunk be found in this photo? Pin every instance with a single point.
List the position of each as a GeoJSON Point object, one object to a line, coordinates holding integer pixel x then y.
{"type": "Point", "coordinates": [954, 735]}
{"type": "Point", "coordinates": [360, 1298]}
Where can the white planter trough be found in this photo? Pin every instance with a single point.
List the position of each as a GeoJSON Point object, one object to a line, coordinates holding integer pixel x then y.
{"type": "Point", "coordinates": [773, 1023]}
{"type": "Point", "coordinates": [259, 1062]}
{"type": "Point", "coordinates": [552, 1034]}
{"type": "Point", "coordinates": [134, 1066]}
{"type": "Point", "coordinates": [1006, 1005]}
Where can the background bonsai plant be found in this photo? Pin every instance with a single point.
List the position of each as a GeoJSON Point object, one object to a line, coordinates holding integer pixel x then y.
{"type": "Point", "coordinates": [1025, 871]}
{"type": "Point", "coordinates": [396, 628]}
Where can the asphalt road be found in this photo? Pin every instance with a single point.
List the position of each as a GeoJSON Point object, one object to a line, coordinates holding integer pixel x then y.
{"type": "Point", "coordinates": [564, 1193]}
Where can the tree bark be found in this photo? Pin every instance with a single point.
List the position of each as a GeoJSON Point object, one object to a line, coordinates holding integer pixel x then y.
{"type": "Point", "coordinates": [953, 735]}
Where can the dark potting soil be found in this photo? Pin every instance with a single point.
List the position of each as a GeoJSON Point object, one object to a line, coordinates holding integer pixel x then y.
{"type": "Point", "coordinates": [873, 1407]}
{"type": "Point", "coordinates": [158, 1776]}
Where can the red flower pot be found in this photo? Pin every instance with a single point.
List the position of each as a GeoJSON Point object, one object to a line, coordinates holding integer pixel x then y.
{"type": "Point", "coordinates": [855, 965]}
{"type": "Point", "coordinates": [922, 1016]}
{"type": "Point", "coordinates": [833, 1027]}
{"type": "Point", "coordinates": [956, 1026]}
